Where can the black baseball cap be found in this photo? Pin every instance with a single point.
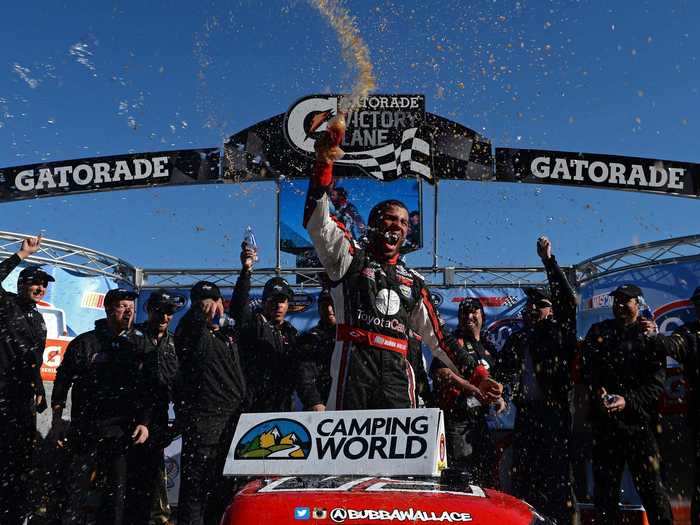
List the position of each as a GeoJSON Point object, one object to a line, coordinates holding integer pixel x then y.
{"type": "Point", "coordinates": [277, 287]}
{"type": "Point", "coordinates": [164, 301]}
{"type": "Point", "coordinates": [204, 290]}
{"type": "Point", "coordinates": [470, 303]}
{"type": "Point", "coordinates": [696, 295]}
{"type": "Point", "coordinates": [630, 291]}
{"type": "Point", "coordinates": [34, 274]}
{"type": "Point", "coordinates": [119, 294]}
{"type": "Point", "coordinates": [538, 297]}
{"type": "Point", "coordinates": [325, 297]}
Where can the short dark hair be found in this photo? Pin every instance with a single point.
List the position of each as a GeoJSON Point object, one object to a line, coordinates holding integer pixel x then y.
{"type": "Point", "coordinates": [342, 192]}
{"type": "Point", "coordinates": [414, 213]}
{"type": "Point", "coordinates": [377, 210]}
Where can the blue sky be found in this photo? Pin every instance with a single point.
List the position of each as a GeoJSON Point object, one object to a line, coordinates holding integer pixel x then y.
{"type": "Point", "coordinates": [96, 78]}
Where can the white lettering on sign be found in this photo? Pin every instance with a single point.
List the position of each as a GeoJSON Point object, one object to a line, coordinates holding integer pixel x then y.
{"type": "Point", "coordinates": [653, 176]}
{"type": "Point", "coordinates": [339, 515]}
{"type": "Point", "coordinates": [87, 174]}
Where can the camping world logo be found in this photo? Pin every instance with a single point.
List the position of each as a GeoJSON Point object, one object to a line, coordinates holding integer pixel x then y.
{"type": "Point", "coordinates": [275, 439]}
{"type": "Point", "coordinates": [384, 138]}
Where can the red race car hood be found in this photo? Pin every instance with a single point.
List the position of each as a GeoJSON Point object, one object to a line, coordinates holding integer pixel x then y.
{"type": "Point", "coordinates": [352, 500]}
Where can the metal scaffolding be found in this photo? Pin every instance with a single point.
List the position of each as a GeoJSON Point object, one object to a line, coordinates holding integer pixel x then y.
{"type": "Point", "coordinates": [71, 257]}
{"type": "Point", "coordinates": [91, 262]}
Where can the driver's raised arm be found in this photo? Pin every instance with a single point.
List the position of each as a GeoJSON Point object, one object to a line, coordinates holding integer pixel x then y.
{"type": "Point", "coordinates": [332, 241]}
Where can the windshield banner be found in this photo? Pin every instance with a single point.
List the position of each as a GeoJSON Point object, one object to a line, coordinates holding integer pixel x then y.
{"type": "Point", "coordinates": [598, 171]}
{"type": "Point", "coordinates": [349, 442]}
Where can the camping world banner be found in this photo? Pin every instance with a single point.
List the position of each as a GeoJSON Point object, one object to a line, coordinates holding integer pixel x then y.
{"type": "Point", "coordinates": [598, 171]}
{"type": "Point", "coordinates": [109, 173]}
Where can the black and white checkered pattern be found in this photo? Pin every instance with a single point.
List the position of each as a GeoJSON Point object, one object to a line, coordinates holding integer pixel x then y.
{"type": "Point", "coordinates": [411, 156]}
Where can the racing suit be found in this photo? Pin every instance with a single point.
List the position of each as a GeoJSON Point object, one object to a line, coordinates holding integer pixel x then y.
{"type": "Point", "coordinates": [110, 396]}
{"type": "Point", "coordinates": [684, 347]}
{"type": "Point", "coordinates": [148, 460]}
{"type": "Point", "coordinates": [375, 302]}
{"type": "Point", "coordinates": [314, 375]}
{"type": "Point", "coordinates": [470, 445]}
{"type": "Point", "coordinates": [267, 350]}
{"type": "Point", "coordinates": [624, 361]}
{"type": "Point", "coordinates": [22, 341]}
{"type": "Point", "coordinates": [210, 393]}
{"type": "Point", "coordinates": [536, 365]}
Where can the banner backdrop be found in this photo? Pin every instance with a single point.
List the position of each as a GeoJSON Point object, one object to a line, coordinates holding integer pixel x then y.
{"type": "Point", "coordinates": [387, 137]}
{"type": "Point", "coordinates": [109, 173]}
{"type": "Point", "coordinates": [598, 171]}
{"type": "Point", "coordinates": [351, 201]}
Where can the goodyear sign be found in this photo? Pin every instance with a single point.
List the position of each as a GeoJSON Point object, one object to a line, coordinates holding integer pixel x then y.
{"type": "Point", "coordinates": [357, 442]}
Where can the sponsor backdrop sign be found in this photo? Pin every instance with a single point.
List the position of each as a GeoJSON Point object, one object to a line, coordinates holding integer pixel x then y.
{"type": "Point", "coordinates": [351, 442]}
{"type": "Point", "coordinates": [351, 201]}
{"type": "Point", "coordinates": [598, 171]}
{"type": "Point", "coordinates": [109, 173]}
{"type": "Point", "coordinates": [387, 137]}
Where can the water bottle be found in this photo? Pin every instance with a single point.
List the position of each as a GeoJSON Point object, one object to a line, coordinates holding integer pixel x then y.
{"type": "Point", "coordinates": [223, 321]}
{"type": "Point", "coordinates": [249, 241]}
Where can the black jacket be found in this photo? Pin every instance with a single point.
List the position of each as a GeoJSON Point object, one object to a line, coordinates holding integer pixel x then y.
{"type": "Point", "coordinates": [458, 403]}
{"type": "Point", "coordinates": [684, 346]}
{"type": "Point", "coordinates": [314, 375]}
{"type": "Point", "coordinates": [268, 353]}
{"type": "Point", "coordinates": [161, 367]}
{"type": "Point", "coordinates": [22, 341]}
{"type": "Point", "coordinates": [551, 344]}
{"type": "Point", "coordinates": [109, 377]}
{"type": "Point", "coordinates": [209, 381]}
{"type": "Point", "coordinates": [625, 362]}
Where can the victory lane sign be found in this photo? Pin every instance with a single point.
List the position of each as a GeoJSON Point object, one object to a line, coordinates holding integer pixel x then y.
{"type": "Point", "coordinates": [352, 442]}
{"type": "Point", "coordinates": [385, 136]}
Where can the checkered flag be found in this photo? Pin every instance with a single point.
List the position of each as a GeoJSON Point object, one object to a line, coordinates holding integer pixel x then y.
{"type": "Point", "coordinates": [411, 156]}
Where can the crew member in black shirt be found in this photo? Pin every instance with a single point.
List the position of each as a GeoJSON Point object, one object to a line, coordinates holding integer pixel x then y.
{"type": "Point", "coordinates": [684, 347]}
{"type": "Point", "coordinates": [22, 340]}
{"type": "Point", "coordinates": [625, 368]}
{"type": "Point", "coordinates": [110, 413]}
{"type": "Point", "coordinates": [162, 365]}
{"type": "Point", "coordinates": [266, 340]}
{"type": "Point", "coordinates": [536, 364]}
{"type": "Point", "coordinates": [315, 352]}
{"type": "Point", "coordinates": [210, 392]}
{"type": "Point", "coordinates": [470, 446]}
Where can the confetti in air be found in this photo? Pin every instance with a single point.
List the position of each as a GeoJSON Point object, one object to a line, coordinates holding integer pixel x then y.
{"type": "Point", "coordinates": [355, 51]}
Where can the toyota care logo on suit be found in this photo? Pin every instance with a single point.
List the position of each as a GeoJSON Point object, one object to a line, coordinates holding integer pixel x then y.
{"type": "Point", "coordinates": [384, 139]}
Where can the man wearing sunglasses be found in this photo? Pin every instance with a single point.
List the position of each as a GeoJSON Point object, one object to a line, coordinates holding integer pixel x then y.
{"type": "Point", "coordinates": [22, 340]}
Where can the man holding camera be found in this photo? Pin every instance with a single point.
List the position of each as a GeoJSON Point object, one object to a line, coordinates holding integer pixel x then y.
{"type": "Point", "coordinates": [625, 369]}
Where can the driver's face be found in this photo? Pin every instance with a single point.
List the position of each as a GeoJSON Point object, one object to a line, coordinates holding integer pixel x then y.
{"type": "Point", "coordinates": [392, 228]}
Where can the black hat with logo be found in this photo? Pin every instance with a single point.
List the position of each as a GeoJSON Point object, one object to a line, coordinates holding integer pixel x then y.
{"type": "Point", "coordinates": [629, 291]}
{"type": "Point", "coordinates": [164, 301]}
{"type": "Point", "coordinates": [119, 294]}
{"type": "Point", "coordinates": [204, 290]}
{"type": "Point", "coordinates": [538, 297]}
{"type": "Point", "coordinates": [277, 287]}
{"type": "Point", "coordinates": [34, 274]}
